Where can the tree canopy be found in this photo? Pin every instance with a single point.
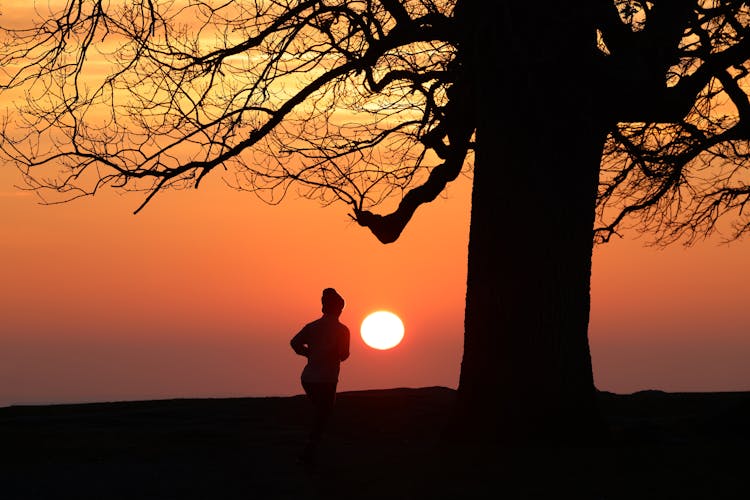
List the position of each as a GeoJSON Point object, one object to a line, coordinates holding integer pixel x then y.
{"type": "Point", "coordinates": [363, 102]}
{"type": "Point", "coordinates": [676, 161]}
{"type": "Point", "coordinates": [342, 101]}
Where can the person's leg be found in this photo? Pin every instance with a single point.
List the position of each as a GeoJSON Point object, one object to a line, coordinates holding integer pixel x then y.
{"type": "Point", "coordinates": [322, 397]}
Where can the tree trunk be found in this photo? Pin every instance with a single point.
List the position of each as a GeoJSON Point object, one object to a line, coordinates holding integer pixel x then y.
{"type": "Point", "coordinates": [526, 372]}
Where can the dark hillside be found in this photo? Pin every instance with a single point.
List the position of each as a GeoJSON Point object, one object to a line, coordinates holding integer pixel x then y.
{"type": "Point", "coordinates": [383, 444]}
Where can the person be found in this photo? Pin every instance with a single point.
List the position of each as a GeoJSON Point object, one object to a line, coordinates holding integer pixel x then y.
{"type": "Point", "coordinates": [325, 344]}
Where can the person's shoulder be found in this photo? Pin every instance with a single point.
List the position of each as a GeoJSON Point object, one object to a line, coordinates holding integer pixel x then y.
{"type": "Point", "coordinates": [313, 323]}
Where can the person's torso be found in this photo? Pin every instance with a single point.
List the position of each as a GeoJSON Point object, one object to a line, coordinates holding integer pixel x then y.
{"type": "Point", "coordinates": [323, 339]}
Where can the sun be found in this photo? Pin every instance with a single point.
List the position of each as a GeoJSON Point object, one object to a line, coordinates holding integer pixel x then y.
{"type": "Point", "coordinates": [382, 330]}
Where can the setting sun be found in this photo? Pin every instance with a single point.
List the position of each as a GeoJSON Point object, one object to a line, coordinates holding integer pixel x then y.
{"type": "Point", "coordinates": [382, 330]}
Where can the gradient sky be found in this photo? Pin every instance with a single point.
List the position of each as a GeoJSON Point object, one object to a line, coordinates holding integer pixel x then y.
{"type": "Point", "coordinates": [199, 294]}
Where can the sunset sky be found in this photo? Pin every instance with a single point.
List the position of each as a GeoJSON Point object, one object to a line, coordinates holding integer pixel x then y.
{"type": "Point", "coordinates": [199, 294]}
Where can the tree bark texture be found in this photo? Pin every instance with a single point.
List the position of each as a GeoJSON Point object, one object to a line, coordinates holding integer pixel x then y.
{"type": "Point", "coordinates": [526, 372]}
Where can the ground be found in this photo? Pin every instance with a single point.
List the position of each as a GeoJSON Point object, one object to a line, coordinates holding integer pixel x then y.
{"type": "Point", "coordinates": [384, 444]}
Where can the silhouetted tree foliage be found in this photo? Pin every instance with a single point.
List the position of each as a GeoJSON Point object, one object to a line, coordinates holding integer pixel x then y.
{"type": "Point", "coordinates": [574, 121]}
{"type": "Point", "coordinates": [675, 162]}
{"type": "Point", "coordinates": [342, 100]}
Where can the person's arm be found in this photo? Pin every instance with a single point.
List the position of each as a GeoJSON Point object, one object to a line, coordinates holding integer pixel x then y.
{"type": "Point", "coordinates": [299, 343]}
{"type": "Point", "coordinates": [344, 344]}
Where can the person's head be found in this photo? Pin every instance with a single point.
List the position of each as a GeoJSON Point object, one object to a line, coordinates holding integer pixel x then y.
{"type": "Point", "coordinates": [333, 303]}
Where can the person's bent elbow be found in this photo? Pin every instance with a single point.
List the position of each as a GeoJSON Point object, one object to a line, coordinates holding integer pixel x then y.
{"type": "Point", "coordinates": [299, 348]}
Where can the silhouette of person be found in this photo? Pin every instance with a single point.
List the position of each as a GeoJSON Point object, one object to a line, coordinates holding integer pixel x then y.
{"type": "Point", "coordinates": [325, 344]}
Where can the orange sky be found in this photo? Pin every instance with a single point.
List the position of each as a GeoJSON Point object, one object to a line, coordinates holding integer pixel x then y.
{"type": "Point", "coordinates": [199, 294]}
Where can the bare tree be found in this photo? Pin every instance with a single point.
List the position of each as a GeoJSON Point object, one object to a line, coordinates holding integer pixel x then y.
{"type": "Point", "coordinates": [334, 99]}
{"type": "Point", "coordinates": [573, 121]}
